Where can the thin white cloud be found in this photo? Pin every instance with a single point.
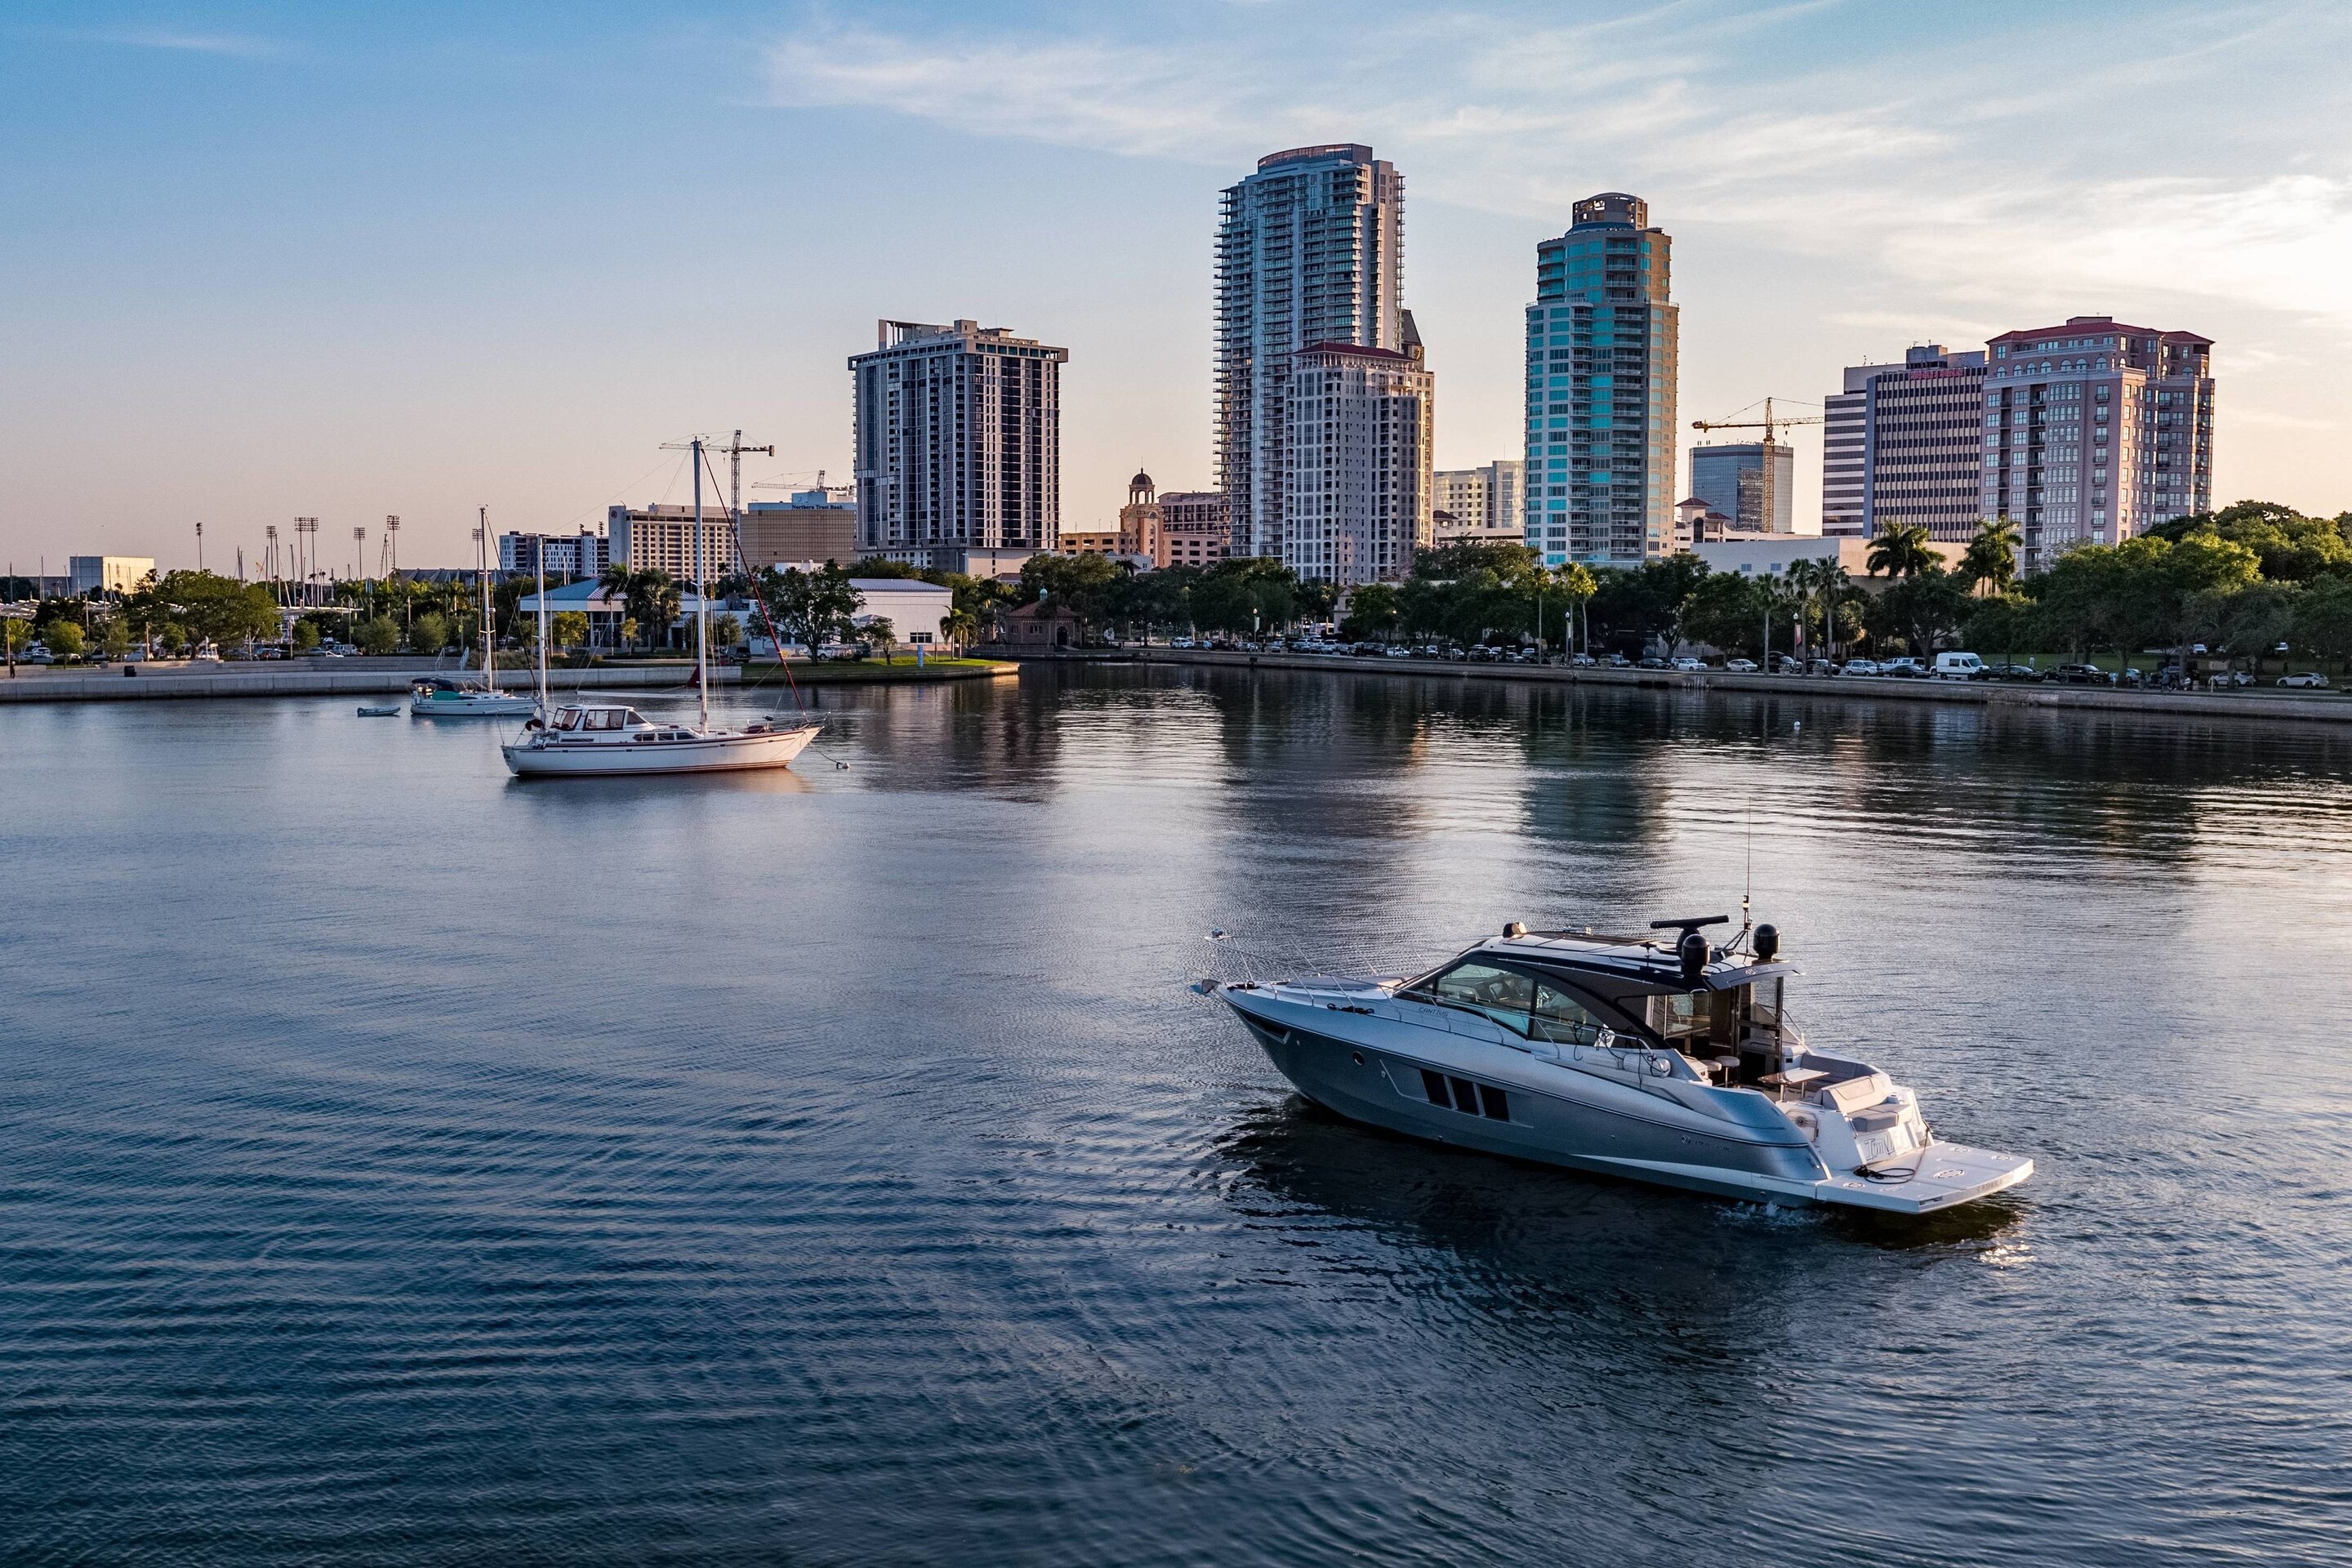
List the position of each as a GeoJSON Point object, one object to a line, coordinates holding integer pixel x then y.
{"type": "Point", "coordinates": [237, 44]}
{"type": "Point", "coordinates": [1981, 177]}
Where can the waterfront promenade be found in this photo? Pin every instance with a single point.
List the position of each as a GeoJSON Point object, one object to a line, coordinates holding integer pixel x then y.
{"type": "Point", "coordinates": [2317, 706]}
{"type": "Point", "coordinates": [362, 678]}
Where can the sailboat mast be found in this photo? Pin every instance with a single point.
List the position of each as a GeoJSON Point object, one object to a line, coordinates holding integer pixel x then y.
{"type": "Point", "coordinates": [482, 576]}
{"type": "Point", "coordinates": [542, 553]}
{"type": "Point", "coordinates": [701, 599]}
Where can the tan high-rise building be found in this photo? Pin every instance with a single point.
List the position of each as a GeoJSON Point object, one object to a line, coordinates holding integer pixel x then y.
{"type": "Point", "coordinates": [1356, 485]}
{"type": "Point", "coordinates": [2095, 431]}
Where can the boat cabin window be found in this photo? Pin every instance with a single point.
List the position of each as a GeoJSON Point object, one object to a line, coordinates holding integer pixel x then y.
{"type": "Point", "coordinates": [569, 718]}
{"type": "Point", "coordinates": [1559, 1016]}
{"type": "Point", "coordinates": [1503, 995]}
{"type": "Point", "coordinates": [1681, 1017]}
{"type": "Point", "coordinates": [604, 719]}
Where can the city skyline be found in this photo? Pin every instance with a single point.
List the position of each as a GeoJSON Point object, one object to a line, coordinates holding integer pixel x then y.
{"type": "Point", "coordinates": [283, 261]}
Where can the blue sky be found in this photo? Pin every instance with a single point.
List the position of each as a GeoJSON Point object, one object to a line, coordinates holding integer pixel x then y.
{"type": "Point", "coordinates": [265, 260]}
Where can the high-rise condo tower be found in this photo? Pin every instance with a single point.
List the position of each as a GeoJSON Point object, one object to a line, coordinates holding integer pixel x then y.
{"type": "Point", "coordinates": [1602, 357]}
{"type": "Point", "coordinates": [959, 443]}
{"type": "Point", "coordinates": [1310, 252]}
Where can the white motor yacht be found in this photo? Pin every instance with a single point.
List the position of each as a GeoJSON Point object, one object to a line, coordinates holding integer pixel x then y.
{"type": "Point", "coordinates": [1662, 1060]}
{"type": "Point", "coordinates": [446, 696]}
{"type": "Point", "coordinates": [595, 739]}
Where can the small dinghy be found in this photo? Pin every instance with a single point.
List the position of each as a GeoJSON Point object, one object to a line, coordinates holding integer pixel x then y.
{"type": "Point", "coordinates": [390, 712]}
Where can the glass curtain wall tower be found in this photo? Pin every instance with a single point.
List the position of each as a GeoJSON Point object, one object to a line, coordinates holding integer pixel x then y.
{"type": "Point", "coordinates": [1309, 251]}
{"type": "Point", "coordinates": [1603, 347]}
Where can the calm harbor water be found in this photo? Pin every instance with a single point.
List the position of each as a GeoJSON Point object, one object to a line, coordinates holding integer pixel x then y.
{"type": "Point", "coordinates": [401, 1165]}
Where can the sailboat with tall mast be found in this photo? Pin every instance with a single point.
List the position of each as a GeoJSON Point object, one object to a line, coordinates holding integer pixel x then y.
{"type": "Point", "coordinates": [603, 738]}
{"type": "Point", "coordinates": [452, 697]}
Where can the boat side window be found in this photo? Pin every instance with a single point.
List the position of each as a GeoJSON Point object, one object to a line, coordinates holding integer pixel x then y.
{"type": "Point", "coordinates": [1503, 995]}
{"type": "Point", "coordinates": [604, 718]}
{"type": "Point", "coordinates": [1560, 1017]}
{"type": "Point", "coordinates": [1681, 1016]}
{"type": "Point", "coordinates": [569, 718]}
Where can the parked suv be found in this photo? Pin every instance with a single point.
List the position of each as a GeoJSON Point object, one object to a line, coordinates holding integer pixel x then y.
{"type": "Point", "coordinates": [2081, 675]}
{"type": "Point", "coordinates": [2308, 678]}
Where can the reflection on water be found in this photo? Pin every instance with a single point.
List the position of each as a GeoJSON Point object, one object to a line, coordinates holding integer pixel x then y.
{"type": "Point", "coordinates": [401, 1164]}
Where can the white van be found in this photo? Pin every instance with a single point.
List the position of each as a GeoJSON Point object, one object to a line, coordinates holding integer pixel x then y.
{"type": "Point", "coordinates": [1958, 667]}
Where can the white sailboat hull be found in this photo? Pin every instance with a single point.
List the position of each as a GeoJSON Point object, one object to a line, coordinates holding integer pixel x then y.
{"type": "Point", "coordinates": [724, 751]}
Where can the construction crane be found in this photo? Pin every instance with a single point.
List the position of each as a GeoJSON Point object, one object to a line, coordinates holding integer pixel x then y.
{"type": "Point", "coordinates": [1770, 425]}
{"type": "Point", "coordinates": [734, 450]}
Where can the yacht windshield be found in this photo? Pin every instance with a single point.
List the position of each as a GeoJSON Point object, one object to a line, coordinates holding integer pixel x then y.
{"type": "Point", "coordinates": [569, 718]}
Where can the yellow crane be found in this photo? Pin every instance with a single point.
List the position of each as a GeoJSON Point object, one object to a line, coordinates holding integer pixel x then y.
{"type": "Point", "coordinates": [1770, 425]}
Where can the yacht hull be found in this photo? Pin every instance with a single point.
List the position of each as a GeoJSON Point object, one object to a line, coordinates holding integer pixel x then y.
{"type": "Point", "coordinates": [732, 753]}
{"type": "Point", "coordinates": [1376, 1070]}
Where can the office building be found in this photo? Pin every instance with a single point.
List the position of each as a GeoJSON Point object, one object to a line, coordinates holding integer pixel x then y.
{"type": "Point", "coordinates": [1903, 444]}
{"type": "Point", "coordinates": [1194, 528]}
{"type": "Point", "coordinates": [1356, 495]}
{"type": "Point", "coordinates": [814, 525]}
{"type": "Point", "coordinates": [106, 573]}
{"type": "Point", "coordinates": [1309, 251]}
{"type": "Point", "coordinates": [958, 444]}
{"type": "Point", "coordinates": [2095, 431]}
{"type": "Point", "coordinates": [1842, 435]}
{"type": "Point", "coordinates": [1482, 500]}
{"type": "Point", "coordinates": [584, 555]}
{"type": "Point", "coordinates": [661, 538]}
{"type": "Point", "coordinates": [1603, 361]}
{"type": "Point", "coordinates": [1753, 483]}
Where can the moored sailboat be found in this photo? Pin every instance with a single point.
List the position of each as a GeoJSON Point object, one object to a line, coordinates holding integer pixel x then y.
{"type": "Point", "coordinates": [591, 738]}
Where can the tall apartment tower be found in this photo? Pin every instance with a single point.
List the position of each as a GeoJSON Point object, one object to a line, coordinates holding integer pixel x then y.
{"type": "Point", "coordinates": [1902, 445]}
{"type": "Point", "coordinates": [1356, 502]}
{"type": "Point", "coordinates": [2095, 431]}
{"type": "Point", "coordinates": [1602, 357]}
{"type": "Point", "coordinates": [959, 445]}
{"type": "Point", "coordinates": [1309, 251]}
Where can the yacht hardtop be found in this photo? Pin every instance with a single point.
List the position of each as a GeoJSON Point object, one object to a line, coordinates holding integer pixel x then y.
{"type": "Point", "coordinates": [1663, 1059]}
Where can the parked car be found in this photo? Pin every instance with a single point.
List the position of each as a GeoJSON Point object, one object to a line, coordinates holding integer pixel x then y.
{"type": "Point", "coordinates": [2309, 677]}
{"type": "Point", "coordinates": [1788, 664]}
{"type": "Point", "coordinates": [1653, 662]}
{"type": "Point", "coordinates": [1903, 666]}
{"type": "Point", "coordinates": [2080, 675]}
{"type": "Point", "coordinates": [1861, 667]}
{"type": "Point", "coordinates": [1618, 661]}
{"type": "Point", "coordinates": [1822, 666]}
{"type": "Point", "coordinates": [1744, 666]}
{"type": "Point", "coordinates": [2006, 672]}
{"type": "Point", "coordinates": [35, 654]}
{"type": "Point", "coordinates": [1687, 664]}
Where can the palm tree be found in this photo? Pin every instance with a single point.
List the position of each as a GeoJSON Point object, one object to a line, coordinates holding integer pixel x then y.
{"type": "Point", "coordinates": [662, 600]}
{"type": "Point", "coordinates": [1900, 550]}
{"type": "Point", "coordinates": [961, 627]}
{"type": "Point", "coordinates": [1992, 555]}
{"type": "Point", "coordinates": [878, 635]}
{"type": "Point", "coordinates": [616, 584]}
